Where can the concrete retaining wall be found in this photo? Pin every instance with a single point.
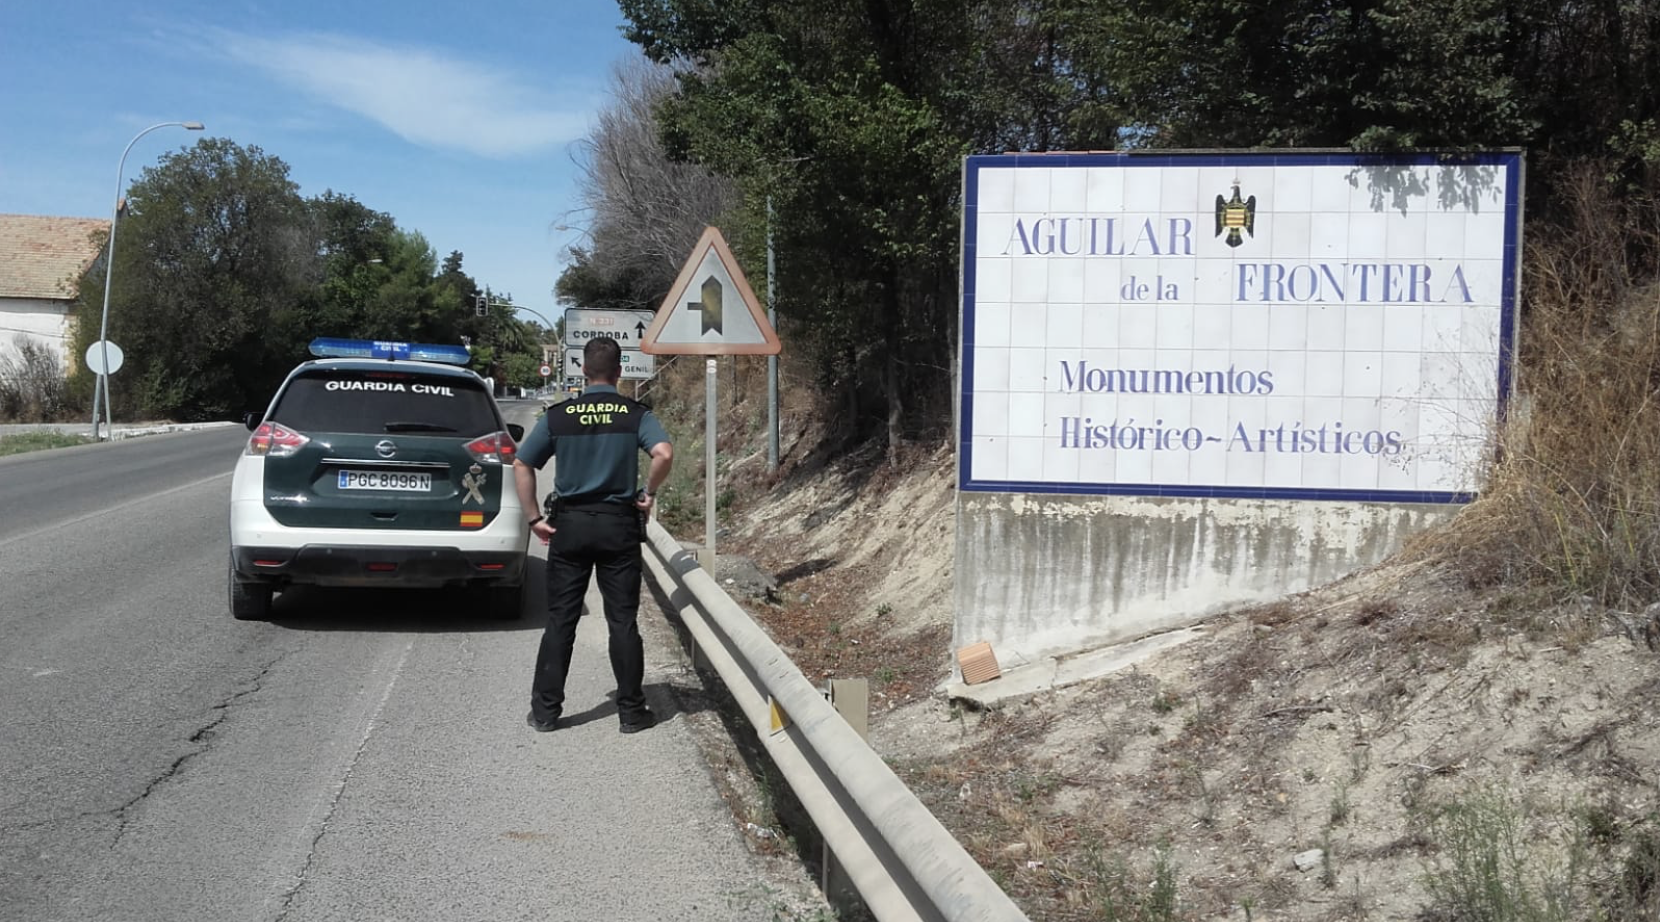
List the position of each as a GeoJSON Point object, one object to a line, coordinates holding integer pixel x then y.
{"type": "Point", "coordinates": [1040, 574]}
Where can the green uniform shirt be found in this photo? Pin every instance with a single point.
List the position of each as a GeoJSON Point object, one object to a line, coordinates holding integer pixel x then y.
{"type": "Point", "coordinates": [598, 438]}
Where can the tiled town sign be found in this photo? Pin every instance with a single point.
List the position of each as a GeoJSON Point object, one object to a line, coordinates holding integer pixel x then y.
{"type": "Point", "coordinates": [1319, 326]}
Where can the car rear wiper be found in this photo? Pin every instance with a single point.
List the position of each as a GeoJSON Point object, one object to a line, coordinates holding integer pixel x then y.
{"type": "Point", "coordinates": [417, 427]}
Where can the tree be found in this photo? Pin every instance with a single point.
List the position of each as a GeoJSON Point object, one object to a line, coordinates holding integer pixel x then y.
{"type": "Point", "coordinates": [411, 304]}
{"type": "Point", "coordinates": [852, 118]}
{"type": "Point", "coordinates": [1563, 79]}
{"type": "Point", "coordinates": [826, 112]}
{"type": "Point", "coordinates": [224, 275]}
{"type": "Point", "coordinates": [354, 243]}
{"type": "Point", "coordinates": [215, 247]}
{"type": "Point", "coordinates": [646, 210]}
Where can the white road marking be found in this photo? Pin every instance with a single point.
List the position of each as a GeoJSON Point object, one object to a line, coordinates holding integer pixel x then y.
{"type": "Point", "coordinates": [285, 900]}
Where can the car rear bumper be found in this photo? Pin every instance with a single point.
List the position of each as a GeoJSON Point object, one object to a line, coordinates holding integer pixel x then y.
{"type": "Point", "coordinates": [363, 565]}
{"type": "Point", "coordinates": [265, 550]}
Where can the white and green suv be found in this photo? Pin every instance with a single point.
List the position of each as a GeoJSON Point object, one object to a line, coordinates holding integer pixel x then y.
{"type": "Point", "coordinates": [382, 467]}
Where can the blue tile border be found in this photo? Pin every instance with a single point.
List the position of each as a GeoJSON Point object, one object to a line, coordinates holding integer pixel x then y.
{"type": "Point", "coordinates": [1204, 492]}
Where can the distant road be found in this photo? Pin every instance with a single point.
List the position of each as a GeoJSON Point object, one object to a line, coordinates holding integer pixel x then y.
{"type": "Point", "coordinates": [364, 756]}
{"type": "Point", "coordinates": [40, 488]}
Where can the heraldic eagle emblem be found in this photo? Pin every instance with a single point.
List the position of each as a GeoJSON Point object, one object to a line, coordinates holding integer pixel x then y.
{"type": "Point", "coordinates": [1233, 214]}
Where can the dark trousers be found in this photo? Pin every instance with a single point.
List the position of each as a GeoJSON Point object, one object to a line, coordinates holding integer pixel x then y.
{"type": "Point", "coordinates": [583, 543]}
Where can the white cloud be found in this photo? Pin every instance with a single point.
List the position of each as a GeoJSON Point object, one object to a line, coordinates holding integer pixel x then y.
{"type": "Point", "coordinates": [422, 95]}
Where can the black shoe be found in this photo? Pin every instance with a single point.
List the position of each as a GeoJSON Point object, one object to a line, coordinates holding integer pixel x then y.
{"type": "Point", "coordinates": [541, 726]}
{"type": "Point", "coordinates": [643, 719]}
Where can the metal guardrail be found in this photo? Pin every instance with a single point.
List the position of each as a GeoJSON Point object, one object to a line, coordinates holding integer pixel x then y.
{"type": "Point", "coordinates": [905, 865]}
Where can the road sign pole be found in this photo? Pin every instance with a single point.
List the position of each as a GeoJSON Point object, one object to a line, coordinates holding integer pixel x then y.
{"type": "Point", "coordinates": [710, 376]}
{"type": "Point", "coordinates": [772, 360]}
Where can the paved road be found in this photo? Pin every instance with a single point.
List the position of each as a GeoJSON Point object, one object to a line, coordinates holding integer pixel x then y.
{"type": "Point", "coordinates": [363, 756]}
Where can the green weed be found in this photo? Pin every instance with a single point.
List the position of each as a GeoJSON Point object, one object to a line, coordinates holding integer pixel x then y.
{"type": "Point", "coordinates": [37, 441]}
{"type": "Point", "coordinates": [1165, 702]}
{"type": "Point", "coordinates": [1341, 807]}
{"type": "Point", "coordinates": [1119, 894]}
{"type": "Point", "coordinates": [1488, 867]}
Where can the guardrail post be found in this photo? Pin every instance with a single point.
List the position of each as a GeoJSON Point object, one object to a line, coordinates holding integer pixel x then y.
{"type": "Point", "coordinates": [700, 660]}
{"type": "Point", "coordinates": [851, 699]}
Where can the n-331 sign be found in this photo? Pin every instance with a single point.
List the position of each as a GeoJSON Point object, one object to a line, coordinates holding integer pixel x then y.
{"type": "Point", "coordinates": [626, 327]}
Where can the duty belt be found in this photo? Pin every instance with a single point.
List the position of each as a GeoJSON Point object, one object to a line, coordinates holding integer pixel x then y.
{"type": "Point", "coordinates": [578, 504]}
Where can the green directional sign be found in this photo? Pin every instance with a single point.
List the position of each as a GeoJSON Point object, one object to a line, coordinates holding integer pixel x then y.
{"type": "Point", "coordinates": [636, 366]}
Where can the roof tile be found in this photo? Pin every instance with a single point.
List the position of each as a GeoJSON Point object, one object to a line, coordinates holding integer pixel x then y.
{"type": "Point", "coordinates": [43, 256]}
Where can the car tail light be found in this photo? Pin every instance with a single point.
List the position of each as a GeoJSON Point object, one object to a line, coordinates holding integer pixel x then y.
{"type": "Point", "coordinates": [497, 447]}
{"type": "Point", "coordinates": [275, 440]}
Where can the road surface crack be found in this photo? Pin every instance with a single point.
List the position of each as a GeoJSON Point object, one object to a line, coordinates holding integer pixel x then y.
{"type": "Point", "coordinates": [202, 738]}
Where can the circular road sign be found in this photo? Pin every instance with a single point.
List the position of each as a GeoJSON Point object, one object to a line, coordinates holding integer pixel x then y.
{"type": "Point", "coordinates": [95, 358]}
{"type": "Point", "coordinates": [546, 370]}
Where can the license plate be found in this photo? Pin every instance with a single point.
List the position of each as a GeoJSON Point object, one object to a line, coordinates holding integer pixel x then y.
{"type": "Point", "coordinates": [386, 480]}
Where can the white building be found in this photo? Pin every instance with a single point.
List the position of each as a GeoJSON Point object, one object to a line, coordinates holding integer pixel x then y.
{"type": "Point", "coordinates": [41, 258]}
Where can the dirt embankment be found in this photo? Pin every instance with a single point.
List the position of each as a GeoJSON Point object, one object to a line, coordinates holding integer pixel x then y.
{"type": "Point", "coordinates": [1395, 746]}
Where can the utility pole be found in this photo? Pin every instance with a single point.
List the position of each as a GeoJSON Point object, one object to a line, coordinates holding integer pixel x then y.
{"type": "Point", "coordinates": [772, 360]}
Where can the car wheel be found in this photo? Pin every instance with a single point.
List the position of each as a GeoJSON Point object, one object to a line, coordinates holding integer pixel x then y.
{"type": "Point", "coordinates": [249, 601]}
{"type": "Point", "coordinates": [504, 602]}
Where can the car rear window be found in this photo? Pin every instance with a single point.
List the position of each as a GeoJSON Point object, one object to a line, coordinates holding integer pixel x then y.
{"type": "Point", "coordinates": [374, 402]}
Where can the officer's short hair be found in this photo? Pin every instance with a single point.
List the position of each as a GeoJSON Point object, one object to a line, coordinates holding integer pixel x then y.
{"type": "Point", "coordinates": [602, 358]}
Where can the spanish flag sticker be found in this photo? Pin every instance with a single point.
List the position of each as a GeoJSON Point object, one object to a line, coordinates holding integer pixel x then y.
{"type": "Point", "coordinates": [472, 519]}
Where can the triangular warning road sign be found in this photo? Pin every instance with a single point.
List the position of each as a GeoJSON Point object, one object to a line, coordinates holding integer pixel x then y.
{"type": "Point", "coordinates": [711, 309]}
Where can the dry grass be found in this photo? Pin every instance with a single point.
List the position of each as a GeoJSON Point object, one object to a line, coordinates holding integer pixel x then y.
{"type": "Point", "coordinates": [33, 388]}
{"type": "Point", "coordinates": [1574, 504]}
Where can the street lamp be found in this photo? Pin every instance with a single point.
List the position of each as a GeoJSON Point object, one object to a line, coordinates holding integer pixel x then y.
{"type": "Point", "coordinates": [103, 386]}
{"type": "Point", "coordinates": [536, 314]}
{"type": "Point", "coordinates": [578, 230]}
{"type": "Point", "coordinates": [516, 307]}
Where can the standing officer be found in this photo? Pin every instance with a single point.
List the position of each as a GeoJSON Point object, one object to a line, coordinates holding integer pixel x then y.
{"type": "Point", "coordinates": [598, 521]}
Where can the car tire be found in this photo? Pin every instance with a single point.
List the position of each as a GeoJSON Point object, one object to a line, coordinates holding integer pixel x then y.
{"type": "Point", "coordinates": [504, 603]}
{"type": "Point", "coordinates": [249, 601]}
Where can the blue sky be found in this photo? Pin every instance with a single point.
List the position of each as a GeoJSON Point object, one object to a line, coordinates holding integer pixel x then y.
{"type": "Point", "coordinates": [456, 118]}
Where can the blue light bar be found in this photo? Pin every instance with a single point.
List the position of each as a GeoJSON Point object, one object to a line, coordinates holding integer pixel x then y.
{"type": "Point", "coordinates": [325, 347]}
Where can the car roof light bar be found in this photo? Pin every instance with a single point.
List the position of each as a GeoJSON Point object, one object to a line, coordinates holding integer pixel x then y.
{"type": "Point", "coordinates": [326, 347]}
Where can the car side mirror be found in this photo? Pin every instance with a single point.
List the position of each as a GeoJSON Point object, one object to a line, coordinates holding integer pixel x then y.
{"type": "Point", "coordinates": [516, 431]}
{"type": "Point", "coordinates": [251, 420]}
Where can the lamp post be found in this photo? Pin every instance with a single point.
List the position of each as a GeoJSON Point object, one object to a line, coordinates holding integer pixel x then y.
{"type": "Point", "coordinates": [536, 314]}
{"type": "Point", "coordinates": [103, 387]}
{"type": "Point", "coordinates": [497, 302]}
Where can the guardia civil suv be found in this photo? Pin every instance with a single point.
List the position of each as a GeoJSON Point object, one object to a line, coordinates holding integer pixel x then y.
{"type": "Point", "coordinates": [378, 464]}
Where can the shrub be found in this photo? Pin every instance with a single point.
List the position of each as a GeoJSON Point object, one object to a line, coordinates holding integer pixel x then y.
{"type": "Point", "coordinates": [1489, 867]}
{"type": "Point", "coordinates": [1574, 503]}
{"type": "Point", "coordinates": [32, 384]}
{"type": "Point", "coordinates": [1119, 893]}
